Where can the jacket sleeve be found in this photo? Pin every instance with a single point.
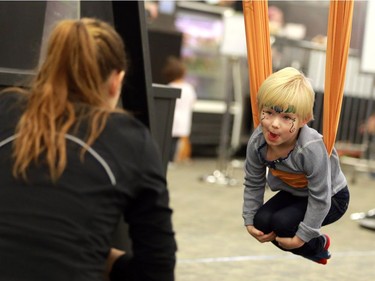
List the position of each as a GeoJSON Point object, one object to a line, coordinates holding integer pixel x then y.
{"type": "Point", "coordinates": [150, 224]}
{"type": "Point", "coordinates": [254, 185]}
{"type": "Point", "coordinates": [316, 164]}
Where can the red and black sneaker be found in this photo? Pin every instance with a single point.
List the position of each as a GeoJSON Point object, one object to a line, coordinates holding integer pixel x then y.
{"type": "Point", "coordinates": [324, 255]}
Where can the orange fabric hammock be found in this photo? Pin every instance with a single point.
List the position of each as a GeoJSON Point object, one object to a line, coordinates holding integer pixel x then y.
{"type": "Point", "coordinates": [339, 32]}
{"type": "Point", "coordinates": [260, 59]}
{"type": "Point", "coordinates": [258, 48]}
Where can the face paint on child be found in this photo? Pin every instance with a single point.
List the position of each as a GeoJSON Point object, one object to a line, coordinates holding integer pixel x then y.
{"type": "Point", "coordinates": [278, 109]}
{"type": "Point", "coordinates": [287, 118]}
{"type": "Point", "coordinates": [291, 109]}
{"type": "Point", "coordinates": [263, 116]}
{"type": "Point", "coordinates": [292, 128]}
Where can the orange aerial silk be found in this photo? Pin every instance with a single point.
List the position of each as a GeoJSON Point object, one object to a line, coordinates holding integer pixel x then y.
{"type": "Point", "coordinates": [339, 32]}
{"type": "Point", "coordinates": [260, 59]}
{"type": "Point", "coordinates": [258, 48]}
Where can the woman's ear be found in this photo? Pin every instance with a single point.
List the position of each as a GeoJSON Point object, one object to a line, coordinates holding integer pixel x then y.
{"type": "Point", "coordinates": [115, 81]}
{"type": "Point", "coordinates": [114, 89]}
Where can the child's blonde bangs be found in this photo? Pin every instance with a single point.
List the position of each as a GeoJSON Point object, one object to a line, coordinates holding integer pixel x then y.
{"type": "Point", "coordinates": [289, 90]}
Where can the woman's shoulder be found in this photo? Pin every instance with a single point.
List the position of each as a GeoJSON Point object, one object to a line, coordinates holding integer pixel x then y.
{"type": "Point", "coordinates": [125, 125]}
{"type": "Point", "coordinates": [128, 141]}
{"type": "Point", "coordinates": [12, 97]}
{"type": "Point", "coordinates": [124, 116]}
{"type": "Point", "coordinates": [124, 138]}
{"type": "Point", "coordinates": [12, 104]}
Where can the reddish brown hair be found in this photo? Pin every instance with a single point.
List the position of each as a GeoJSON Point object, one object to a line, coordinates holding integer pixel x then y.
{"type": "Point", "coordinates": [70, 83]}
{"type": "Point", "coordinates": [174, 69]}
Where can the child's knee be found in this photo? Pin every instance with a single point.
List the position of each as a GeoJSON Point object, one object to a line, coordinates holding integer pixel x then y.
{"type": "Point", "coordinates": [283, 227]}
{"type": "Point", "coordinates": [262, 222]}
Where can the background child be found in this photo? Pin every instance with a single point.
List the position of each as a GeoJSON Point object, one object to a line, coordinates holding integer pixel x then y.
{"type": "Point", "coordinates": [174, 73]}
{"type": "Point", "coordinates": [311, 188]}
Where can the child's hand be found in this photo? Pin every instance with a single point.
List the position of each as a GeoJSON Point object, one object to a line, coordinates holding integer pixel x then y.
{"type": "Point", "coordinates": [289, 243]}
{"type": "Point", "coordinates": [259, 235]}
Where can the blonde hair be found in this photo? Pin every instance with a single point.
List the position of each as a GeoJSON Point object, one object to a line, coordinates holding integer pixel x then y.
{"type": "Point", "coordinates": [290, 90]}
{"type": "Point", "coordinates": [69, 87]}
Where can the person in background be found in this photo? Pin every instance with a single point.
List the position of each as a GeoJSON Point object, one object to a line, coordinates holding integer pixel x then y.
{"type": "Point", "coordinates": [367, 219]}
{"type": "Point", "coordinates": [174, 73]}
{"type": "Point", "coordinates": [368, 130]}
{"type": "Point", "coordinates": [152, 9]}
{"type": "Point", "coordinates": [71, 164]}
{"type": "Point", "coordinates": [311, 188]}
{"type": "Point", "coordinates": [276, 20]}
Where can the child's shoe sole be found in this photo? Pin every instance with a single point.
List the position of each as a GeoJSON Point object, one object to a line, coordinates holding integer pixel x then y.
{"type": "Point", "coordinates": [324, 255]}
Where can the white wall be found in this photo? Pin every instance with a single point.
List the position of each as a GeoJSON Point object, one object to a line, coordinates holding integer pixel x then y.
{"type": "Point", "coordinates": [368, 49]}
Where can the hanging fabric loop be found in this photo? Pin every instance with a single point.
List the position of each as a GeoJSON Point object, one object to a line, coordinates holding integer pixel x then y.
{"type": "Point", "coordinates": [258, 48]}
{"type": "Point", "coordinates": [338, 42]}
{"type": "Point", "coordinates": [260, 58]}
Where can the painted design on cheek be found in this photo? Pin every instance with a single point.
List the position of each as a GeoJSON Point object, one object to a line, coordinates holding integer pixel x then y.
{"type": "Point", "coordinates": [263, 116]}
{"type": "Point", "coordinates": [292, 128]}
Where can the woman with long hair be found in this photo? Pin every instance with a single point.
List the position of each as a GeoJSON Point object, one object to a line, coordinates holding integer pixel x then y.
{"type": "Point", "coordinates": [72, 164]}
